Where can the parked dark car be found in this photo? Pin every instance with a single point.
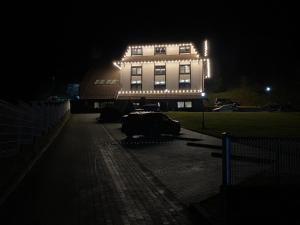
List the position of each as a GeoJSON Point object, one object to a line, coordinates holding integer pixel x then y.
{"type": "Point", "coordinates": [272, 107]}
{"type": "Point", "coordinates": [225, 101]}
{"type": "Point", "coordinates": [148, 107]}
{"type": "Point", "coordinates": [226, 108]}
{"type": "Point", "coordinates": [149, 124]}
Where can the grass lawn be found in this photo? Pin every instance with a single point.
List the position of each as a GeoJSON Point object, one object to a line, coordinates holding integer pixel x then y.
{"type": "Point", "coordinates": [270, 124]}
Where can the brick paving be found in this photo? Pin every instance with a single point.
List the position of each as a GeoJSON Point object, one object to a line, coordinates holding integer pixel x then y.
{"type": "Point", "coordinates": [86, 177]}
{"type": "Point", "coordinates": [130, 195]}
{"type": "Point", "coordinates": [189, 172]}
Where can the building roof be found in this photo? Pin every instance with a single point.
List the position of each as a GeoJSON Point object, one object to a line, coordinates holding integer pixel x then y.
{"type": "Point", "coordinates": [100, 84]}
{"type": "Point", "coordinates": [143, 58]}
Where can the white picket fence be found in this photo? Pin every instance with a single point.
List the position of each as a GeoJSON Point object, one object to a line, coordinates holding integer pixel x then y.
{"type": "Point", "coordinates": [21, 123]}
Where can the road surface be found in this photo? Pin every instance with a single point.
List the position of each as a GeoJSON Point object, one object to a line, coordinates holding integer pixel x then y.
{"type": "Point", "coordinates": [87, 177]}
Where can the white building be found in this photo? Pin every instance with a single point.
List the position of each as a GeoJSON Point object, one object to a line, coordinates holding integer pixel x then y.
{"type": "Point", "coordinates": [170, 75]}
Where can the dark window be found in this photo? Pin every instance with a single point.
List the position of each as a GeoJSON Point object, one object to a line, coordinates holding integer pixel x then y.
{"type": "Point", "coordinates": [160, 70]}
{"type": "Point", "coordinates": [136, 70]}
{"type": "Point", "coordinates": [136, 78]}
{"type": "Point", "coordinates": [159, 50]}
{"type": "Point", "coordinates": [184, 85]}
{"type": "Point", "coordinates": [185, 49]}
{"type": "Point", "coordinates": [137, 51]}
{"type": "Point", "coordinates": [185, 76]}
{"type": "Point", "coordinates": [185, 69]}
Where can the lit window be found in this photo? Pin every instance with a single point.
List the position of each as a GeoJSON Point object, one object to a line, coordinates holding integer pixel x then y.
{"type": "Point", "coordinates": [136, 82]}
{"type": "Point", "coordinates": [136, 78]}
{"type": "Point", "coordinates": [188, 104]}
{"type": "Point", "coordinates": [160, 77]}
{"type": "Point", "coordinates": [159, 50]}
{"type": "Point", "coordinates": [180, 105]}
{"type": "Point", "coordinates": [137, 51]}
{"type": "Point", "coordinates": [185, 49]}
{"type": "Point", "coordinates": [185, 76]}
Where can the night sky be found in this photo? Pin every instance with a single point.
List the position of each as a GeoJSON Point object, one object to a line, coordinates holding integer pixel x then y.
{"type": "Point", "coordinates": [50, 40]}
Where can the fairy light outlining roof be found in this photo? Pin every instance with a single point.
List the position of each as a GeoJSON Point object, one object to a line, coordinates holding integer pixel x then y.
{"type": "Point", "coordinates": [160, 45]}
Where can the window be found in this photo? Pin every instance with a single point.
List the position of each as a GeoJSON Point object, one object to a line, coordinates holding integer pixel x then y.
{"type": "Point", "coordinates": [180, 105]}
{"type": "Point", "coordinates": [159, 50]}
{"type": "Point", "coordinates": [136, 78]}
{"type": "Point", "coordinates": [160, 77]}
{"type": "Point", "coordinates": [187, 104]}
{"type": "Point", "coordinates": [96, 105]}
{"type": "Point", "coordinates": [136, 82]}
{"type": "Point", "coordinates": [160, 70]}
{"type": "Point", "coordinates": [97, 82]}
{"type": "Point", "coordinates": [137, 51]}
{"type": "Point", "coordinates": [136, 70]}
{"type": "Point", "coordinates": [100, 82]}
{"type": "Point", "coordinates": [185, 76]}
{"type": "Point", "coordinates": [160, 82]}
{"type": "Point", "coordinates": [185, 49]}
{"type": "Point", "coordinates": [185, 69]}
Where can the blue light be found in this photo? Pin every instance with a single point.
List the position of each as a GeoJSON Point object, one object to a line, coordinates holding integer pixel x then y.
{"type": "Point", "coordinates": [268, 89]}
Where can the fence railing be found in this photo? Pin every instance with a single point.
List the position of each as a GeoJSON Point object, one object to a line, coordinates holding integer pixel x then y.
{"type": "Point", "coordinates": [260, 160]}
{"type": "Point", "coordinates": [21, 123]}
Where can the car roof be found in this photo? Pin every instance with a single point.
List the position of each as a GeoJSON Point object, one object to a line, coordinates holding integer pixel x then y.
{"type": "Point", "coordinates": [145, 113]}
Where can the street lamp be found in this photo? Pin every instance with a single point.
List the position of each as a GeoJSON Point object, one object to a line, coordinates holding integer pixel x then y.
{"type": "Point", "coordinates": [203, 94]}
{"type": "Point", "coordinates": [268, 89]}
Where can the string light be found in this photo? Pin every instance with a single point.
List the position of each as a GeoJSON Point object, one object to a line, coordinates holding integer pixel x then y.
{"type": "Point", "coordinates": [205, 48]}
{"type": "Point", "coordinates": [166, 91]}
{"type": "Point", "coordinates": [208, 68]}
{"type": "Point", "coordinates": [128, 50]}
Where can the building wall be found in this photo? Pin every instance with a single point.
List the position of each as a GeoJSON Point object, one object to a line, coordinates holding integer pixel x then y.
{"type": "Point", "coordinates": [172, 75]}
{"type": "Point", "coordinates": [196, 75]}
{"type": "Point", "coordinates": [125, 75]}
{"type": "Point", "coordinates": [148, 76]}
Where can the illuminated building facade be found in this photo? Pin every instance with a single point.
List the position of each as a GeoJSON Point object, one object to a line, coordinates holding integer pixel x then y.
{"type": "Point", "coordinates": [169, 75]}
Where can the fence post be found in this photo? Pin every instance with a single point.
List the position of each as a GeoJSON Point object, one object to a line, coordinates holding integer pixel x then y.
{"type": "Point", "coordinates": [226, 159]}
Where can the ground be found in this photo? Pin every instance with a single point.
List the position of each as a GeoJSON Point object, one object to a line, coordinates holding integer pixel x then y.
{"type": "Point", "coordinates": [91, 174]}
{"type": "Point", "coordinates": [271, 124]}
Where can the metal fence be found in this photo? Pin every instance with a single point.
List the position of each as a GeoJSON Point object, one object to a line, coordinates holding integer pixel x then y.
{"type": "Point", "coordinates": [22, 123]}
{"type": "Point", "coordinates": [260, 161]}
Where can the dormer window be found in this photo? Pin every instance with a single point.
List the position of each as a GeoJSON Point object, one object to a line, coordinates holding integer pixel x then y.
{"type": "Point", "coordinates": [184, 49]}
{"type": "Point", "coordinates": [137, 51]}
{"type": "Point", "coordinates": [159, 50]}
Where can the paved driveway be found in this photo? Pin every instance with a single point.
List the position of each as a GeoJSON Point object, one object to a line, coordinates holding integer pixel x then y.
{"type": "Point", "coordinates": [87, 178]}
{"type": "Point", "coordinates": [191, 173]}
